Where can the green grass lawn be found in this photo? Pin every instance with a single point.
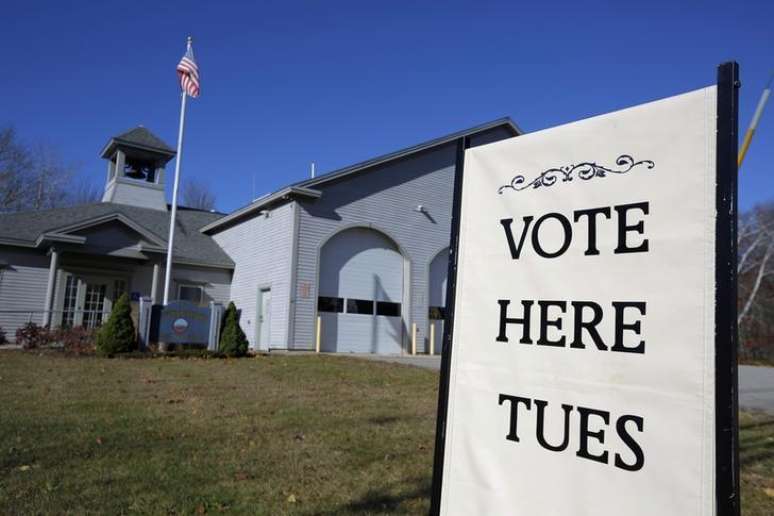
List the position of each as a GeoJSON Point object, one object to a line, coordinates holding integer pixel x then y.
{"type": "Point", "coordinates": [266, 435]}
{"type": "Point", "coordinates": [756, 455]}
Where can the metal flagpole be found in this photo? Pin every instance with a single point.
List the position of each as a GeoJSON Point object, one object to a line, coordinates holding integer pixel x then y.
{"type": "Point", "coordinates": [168, 273]}
{"type": "Point", "coordinates": [755, 119]}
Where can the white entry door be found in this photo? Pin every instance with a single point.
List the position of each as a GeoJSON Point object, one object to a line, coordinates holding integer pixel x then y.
{"type": "Point", "coordinates": [264, 319]}
{"type": "Point", "coordinates": [84, 302]}
{"type": "Point", "coordinates": [93, 303]}
{"type": "Point", "coordinates": [87, 300]}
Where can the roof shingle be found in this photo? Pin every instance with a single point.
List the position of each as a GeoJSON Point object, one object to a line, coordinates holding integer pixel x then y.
{"type": "Point", "coordinates": [190, 244]}
{"type": "Point", "coordinates": [142, 136]}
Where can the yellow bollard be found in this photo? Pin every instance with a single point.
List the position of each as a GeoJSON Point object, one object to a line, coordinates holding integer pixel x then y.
{"type": "Point", "coordinates": [413, 338]}
{"type": "Point", "coordinates": [432, 338]}
{"type": "Point", "coordinates": [317, 339]}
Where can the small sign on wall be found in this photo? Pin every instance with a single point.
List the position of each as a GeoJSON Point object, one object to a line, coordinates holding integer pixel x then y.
{"type": "Point", "coordinates": [589, 360]}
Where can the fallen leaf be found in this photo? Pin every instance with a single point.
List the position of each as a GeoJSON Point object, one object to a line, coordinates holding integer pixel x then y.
{"type": "Point", "coordinates": [99, 440]}
{"type": "Point", "coordinates": [24, 468]}
{"type": "Point", "coordinates": [292, 498]}
{"type": "Point", "coordinates": [769, 491]}
{"type": "Point", "coordinates": [200, 509]}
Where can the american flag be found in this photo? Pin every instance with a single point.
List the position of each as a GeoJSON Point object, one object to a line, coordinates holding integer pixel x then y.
{"type": "Point", "coordinates": [188, 72]}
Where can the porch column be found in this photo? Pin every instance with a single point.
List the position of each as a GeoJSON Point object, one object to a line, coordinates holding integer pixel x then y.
{"type": "Point", "coordinates": [50, 288]}
{"type": "Point", "coordinates": [154, 284]}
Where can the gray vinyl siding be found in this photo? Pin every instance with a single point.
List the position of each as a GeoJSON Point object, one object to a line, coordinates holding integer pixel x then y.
{"type": "Point", "coordinates": [261, 249]}
{"type": "Point", "coordinates": [142, 195]}
{"type": "Point", "coordinates": [112, 238]}
{"type": "Point", "coordinates": [24, 280]}
{"type": "Point", "coordinates": [23, 284]}
{"type": "Point", "coordinates": [384, 198]}
{"type": "Point", "coordinates": [490, 136]}
{"type": "Point", "coordinates": [142, 279]}
{"type": "Point", "coordinates": [216, 283]}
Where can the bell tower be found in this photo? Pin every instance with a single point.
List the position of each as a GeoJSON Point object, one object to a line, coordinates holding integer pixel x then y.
{"type": "Point", "coordinates": [135, 174]}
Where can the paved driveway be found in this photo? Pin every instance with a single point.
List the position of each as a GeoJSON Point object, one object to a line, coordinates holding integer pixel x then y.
{"type": "Point", "coordinates": [424, 361]}
{"type": "Point", "coordinates": [756, 388]}
{"type": "Point", "coordinates": [756, 384]}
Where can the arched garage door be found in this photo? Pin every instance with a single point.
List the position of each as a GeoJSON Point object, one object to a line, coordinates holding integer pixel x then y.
{"type": "Point", "coordinates": [439, 269]}
{"type": "Point", "coordinates": [361, 293]}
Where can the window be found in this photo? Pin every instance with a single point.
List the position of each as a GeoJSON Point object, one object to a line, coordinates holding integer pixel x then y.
{"type": "Point", "coordinates": [388, 308]}
{"type": "Point", "coordinates": [360, 306]}
{"type": "Point", "coordinates": [191, 293]}
{"type": "Point", "coordinates": [330, 304]}
{"type": "Point", "coordinates": [70, 297]}
{"type": "Point", "coordinates": [437, 313]}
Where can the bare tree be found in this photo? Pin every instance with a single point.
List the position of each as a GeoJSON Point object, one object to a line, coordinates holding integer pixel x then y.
{"type": "Point", "coordinates": [32, 178]}
{"type": "Point", "coordinates": [755, 271]}
{"type": "Point", "coordinates": [51, 179]}
{"type": "Point", "coordinates": [85, 192]}
{"type": "Point", "coordinates": [198, 195]}
{"type": "Point", "coordinates": [15, 161]}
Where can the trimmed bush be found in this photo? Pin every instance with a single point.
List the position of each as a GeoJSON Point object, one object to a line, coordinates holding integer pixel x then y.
{"type": "Point", "coordinates": [3, 339]}
{"type": "Point", "coordinates": [117, 334]}
{"type": "Point", "coordinates": [233, 342]}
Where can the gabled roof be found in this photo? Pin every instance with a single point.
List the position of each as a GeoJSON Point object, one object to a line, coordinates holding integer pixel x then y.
{"type": "Point", "coordinates": [81, 225]}
{"type": "Point", "coordinates": [336, 174]}
{"type": "Point", "coordinates": [266, 200]}
{"type": "Point", "coordinates": [306, 188]}
{"type": "Point", "coordinates": [36, 228]}
{"type": "Point", "coordinates": [138, 137]}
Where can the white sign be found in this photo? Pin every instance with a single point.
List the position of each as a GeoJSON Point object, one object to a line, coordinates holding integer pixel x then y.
{"type": "Point", "coordinates": [582, 370]}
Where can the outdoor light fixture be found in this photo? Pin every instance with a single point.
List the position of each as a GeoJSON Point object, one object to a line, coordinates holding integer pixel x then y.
{"type": "Point", "coordinates": [420, 209]}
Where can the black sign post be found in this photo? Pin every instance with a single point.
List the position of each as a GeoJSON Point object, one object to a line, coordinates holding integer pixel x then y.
{"type": "Point", "coordinates": [726, 377]}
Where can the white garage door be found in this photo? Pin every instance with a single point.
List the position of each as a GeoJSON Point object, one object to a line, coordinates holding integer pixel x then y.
{"type": "Point", "coordinates": [361, 293]}
{"type": "Point", "coordinates": [439, 269]}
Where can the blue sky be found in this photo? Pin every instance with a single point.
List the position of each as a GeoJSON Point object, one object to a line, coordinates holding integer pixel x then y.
{"type": "Point", "coordinates": [287, 83]}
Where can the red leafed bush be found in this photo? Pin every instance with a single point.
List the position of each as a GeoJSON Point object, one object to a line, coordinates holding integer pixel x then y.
{"type": "Point", "coordinates": [79, 341]}
{"type": "Point", "coordinates": [32, 336]}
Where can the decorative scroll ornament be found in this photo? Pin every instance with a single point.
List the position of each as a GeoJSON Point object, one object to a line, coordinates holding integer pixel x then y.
{"type": "Point", "coordinates": [585, 171]}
